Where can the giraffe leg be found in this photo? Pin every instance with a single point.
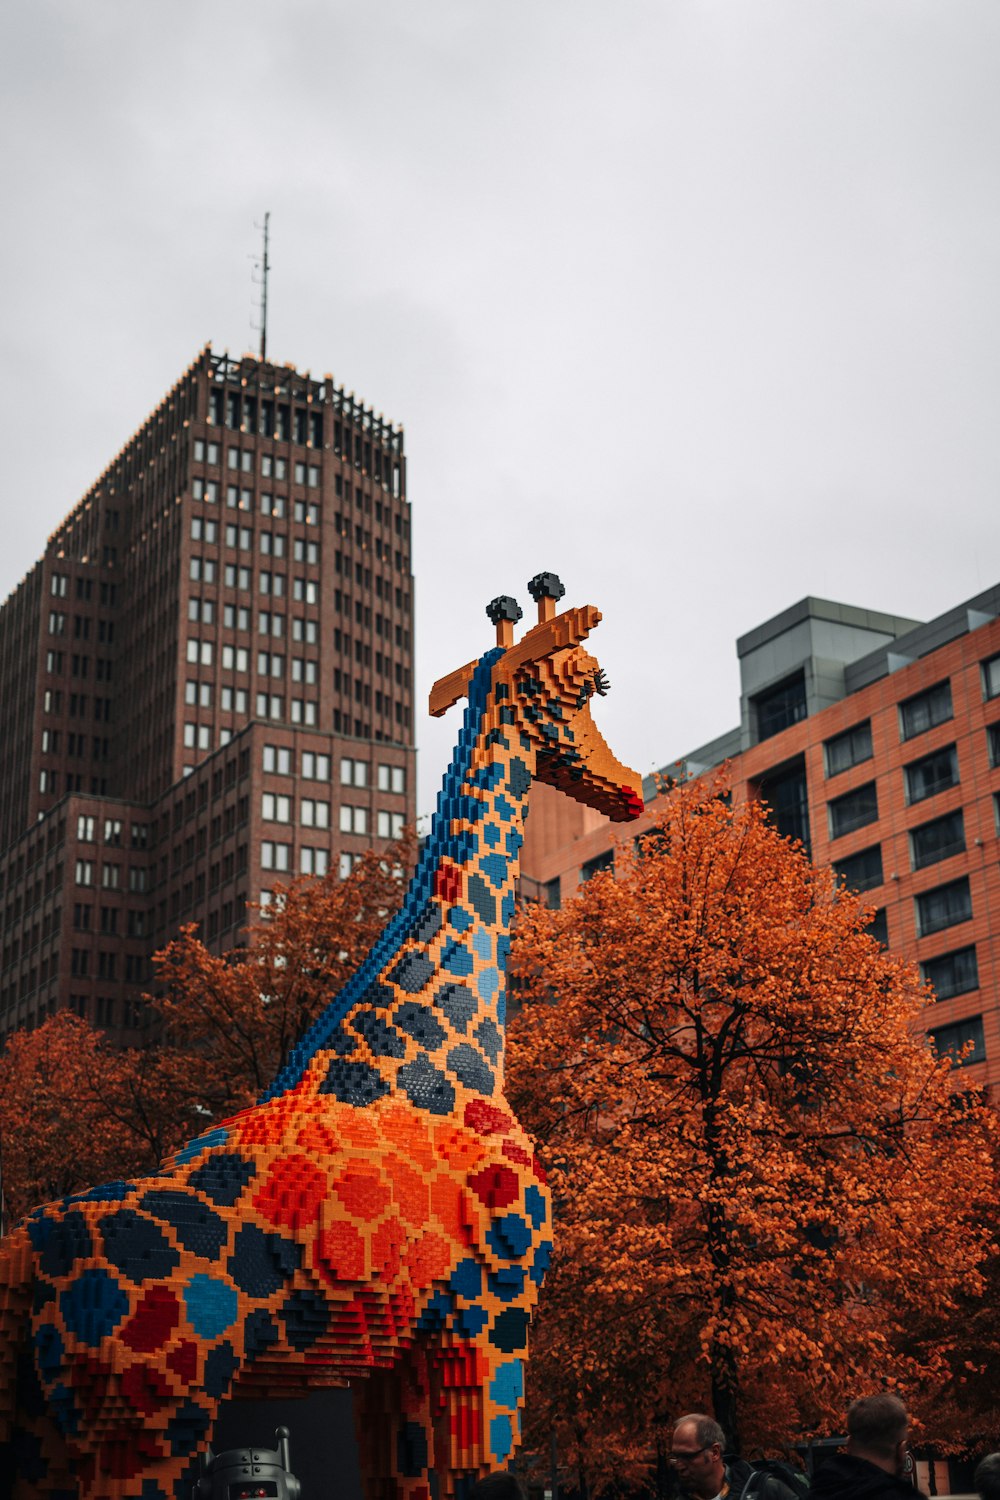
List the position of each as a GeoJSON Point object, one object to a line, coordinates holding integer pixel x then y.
{"type": "Point", "coordinates": [394, 1417]}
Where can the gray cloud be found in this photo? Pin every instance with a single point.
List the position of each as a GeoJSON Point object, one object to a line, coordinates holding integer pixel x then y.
{"type": "Point", "coordinates": [694, 303]}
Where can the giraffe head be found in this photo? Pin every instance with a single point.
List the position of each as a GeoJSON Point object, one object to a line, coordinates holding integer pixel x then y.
{"type": "Point", "coordinates": [540, 697]}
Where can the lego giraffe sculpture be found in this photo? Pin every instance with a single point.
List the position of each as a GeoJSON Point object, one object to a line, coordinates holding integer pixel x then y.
{"type": "Point", "coordinates": [378, 1213]}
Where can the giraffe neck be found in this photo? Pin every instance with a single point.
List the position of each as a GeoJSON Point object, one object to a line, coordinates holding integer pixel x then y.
{"type": "Point", "coordinates": [424, 1014]}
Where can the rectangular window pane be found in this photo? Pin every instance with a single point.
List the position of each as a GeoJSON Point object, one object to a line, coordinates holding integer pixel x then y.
{"type": "Point", "coordinates": [991, 677]}
{"type": "Point", "coordinates": [848, 749]}
{"type": "Point", "coordinates": [937, 840]}
{"type": "Point", "coordinates": [878, 927]}
{"type": "Point", "coordinates": [932, 774]}
{"type": "Point", "coordinates": [780, 706]}
{"type": "Point", "coordinates": [861, 871]}
{"type": "Point", "coordinates": [952, 1040]}
{"type": "Point", "coordinates": [952, 973]}
{"type": "Point", "coordinates": [944, 906]}
{"type": "Point", "coordinates": [924, 710]}
{"type": "Point", "coordinates": [853, 810]}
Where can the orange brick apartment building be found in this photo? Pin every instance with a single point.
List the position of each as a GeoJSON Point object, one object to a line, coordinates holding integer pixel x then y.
{"type": "Point", "coordinates": [876, 740]}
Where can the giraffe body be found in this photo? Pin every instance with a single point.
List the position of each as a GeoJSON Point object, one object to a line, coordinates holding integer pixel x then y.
{"type": "Point", "coordinates": [377, 1216]}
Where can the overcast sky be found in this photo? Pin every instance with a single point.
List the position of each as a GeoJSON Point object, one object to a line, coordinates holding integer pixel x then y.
{"type": "Point", "coordinates": [695, 304]}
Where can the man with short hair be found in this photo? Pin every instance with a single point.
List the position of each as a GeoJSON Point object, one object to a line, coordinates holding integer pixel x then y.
{"type": "Point", "coordinates": [696, 1452]}
{"type": "Point", "coordinates": [878, 1464]}
{"type": "Point", "coordinates": [987, 1477]}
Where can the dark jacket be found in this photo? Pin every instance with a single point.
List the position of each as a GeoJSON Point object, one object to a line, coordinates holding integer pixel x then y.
{"type": "Point", "coordinates": [768, 1486]}
{"type": "Point", "coordinates": [844, 1477]}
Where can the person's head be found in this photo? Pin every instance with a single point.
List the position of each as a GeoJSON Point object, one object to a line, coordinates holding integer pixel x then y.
{"type": "Point", "coordinates": [878, 1430]}
{"type": "Point", "coordinates": [987, 1477]}
{"type": "Point", "coordinates": [696, 1452]}
{"type": "Point", "coordinates": [498, 1486]}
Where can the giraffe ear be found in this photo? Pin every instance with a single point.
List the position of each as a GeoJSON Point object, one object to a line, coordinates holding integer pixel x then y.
{"type": "Point", "coordinates": [448, 690]}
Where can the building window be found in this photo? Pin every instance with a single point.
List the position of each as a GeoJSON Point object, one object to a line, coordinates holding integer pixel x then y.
{"type": "Point", "coordinates": [199, 651]}
{"type": "Point", "coordinates": [786, 793]}
{"type": "Point", "coordinates": [780, 706]}
{"type": "Point", "coordinates": [952, 973]}
{"type": "Point", "coordinates": [275, 808]}
{"type": "Point", "coordinates": [991, 677]}
{"type": "Point", "coordinates": [86, 828]}
{"type": "Point", "coordinates": [390, 824]}
{"type": "Point", "coordinates": [861, 871]}
{"type": "Point", "coordinates": [278, 760]}
{"type": "Point", "coordinates": [392, 779]}
{"type": "Point", "coordinates": [878, 927]}
{"type": "Point", "coordinates": [275, 856]}
{"type": "Point", "coordinates": [304, 670]}
{"type": "Point", "coordinates": [924, 710]}
{"type": "Point", "coordinates": [993, 744]}
{"type": "Point", "coordinates": [937, 840]}
{"type": "Point", "coordinates": [853, 810]}
{"type": "Point", "coordinates": [345, 864]}
{"type": "Point", "coordinates": [944, 906]}
{"type": "Point", "coordinates": [314, 813]}
{"type": "Point", "coordinates": [270, 664]}
{"type": "Point", "coordinates": [353, 772]}
{"type": "Point", "coordinates": [602, 861]}
{"type": "Point", "coordinates": [952, 1041]}
{"type": "Point", "coordinates": [313, 861]}
{"type": "Point", "coordinates": [235, 658]}
{"type": "Point", "coordinates": [85, 872]}
{"type": "Point", "coordinates": [932, 773]}
{"type": "Point", "coordinates": [848, 749]}
{"type": "Point", "coordinates": [353, 819]}
{"type": "Point", "coordinates": [315, 766]}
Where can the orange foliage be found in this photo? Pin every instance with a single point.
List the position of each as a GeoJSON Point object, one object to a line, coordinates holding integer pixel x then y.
{"type": "Point", "coordinates": [65, 1098]}
{"type": "Point", "coordinates": [74, 1111]}
{"type": "Point", "coordinates": [751, 1146]}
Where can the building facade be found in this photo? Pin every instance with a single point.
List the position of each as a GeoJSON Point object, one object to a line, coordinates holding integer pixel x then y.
{"type": "Point", "coordinates": [208, 684]}
{"type": "Point", "coordinates": [876, 741]}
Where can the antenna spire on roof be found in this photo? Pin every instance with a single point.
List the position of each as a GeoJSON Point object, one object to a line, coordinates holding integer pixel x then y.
{"type": "Point", "coordinates": [265, 266]}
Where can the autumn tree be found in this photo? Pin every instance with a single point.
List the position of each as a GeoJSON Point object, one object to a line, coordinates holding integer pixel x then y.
{"type": "Point", "coordinates": [67, 1113]}
{"type": "Point", "coordinates": [75, 1111]}
{"type": "Point", "coordinates": [751, 1144]}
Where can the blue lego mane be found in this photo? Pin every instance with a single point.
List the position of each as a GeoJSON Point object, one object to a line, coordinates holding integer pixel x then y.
{"type": "Point", "coordinates": [440, 843]}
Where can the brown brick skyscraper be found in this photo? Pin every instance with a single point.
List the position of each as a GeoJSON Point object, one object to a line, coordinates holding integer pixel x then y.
{"type": "Point", "coordinates": [207, 682]}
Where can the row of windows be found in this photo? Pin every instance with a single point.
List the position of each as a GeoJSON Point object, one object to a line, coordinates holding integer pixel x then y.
{"type": "Point", "coordinates": [269, 622]}
{"type": "Point", "coordinates": [87, 825]}
{"type": "Point", "coordinates": [922, 778]}
{"type": "Point", "coordinates": [929, 844]}
{"type": "Point", "coordinates": [279, 760]}
{"type": "Point", "coordinates": [59, 588]}
{"type": "Point", "coordinates": [273, 706]}
{"type": "Point", "coordinates": [237, 659]}
{"type": "Point", "coordinates": [963, 1040]}
{"type": "Point", "coordinates": [201, 652]}
{"type": "Point", "coordinates": [923, 711]}
{"type": "Point", "coordinates": [240, 497]}
{"type": "Point", "coordinates": [241, 539]}
{"type": "Point", "coordinates": [81, 627]}
{"type": "Point", "coordinates": [315, 813]}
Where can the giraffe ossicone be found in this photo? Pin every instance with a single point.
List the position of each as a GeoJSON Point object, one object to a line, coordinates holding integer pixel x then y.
{"type": "Point", "coordinates": [378, 1216]}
